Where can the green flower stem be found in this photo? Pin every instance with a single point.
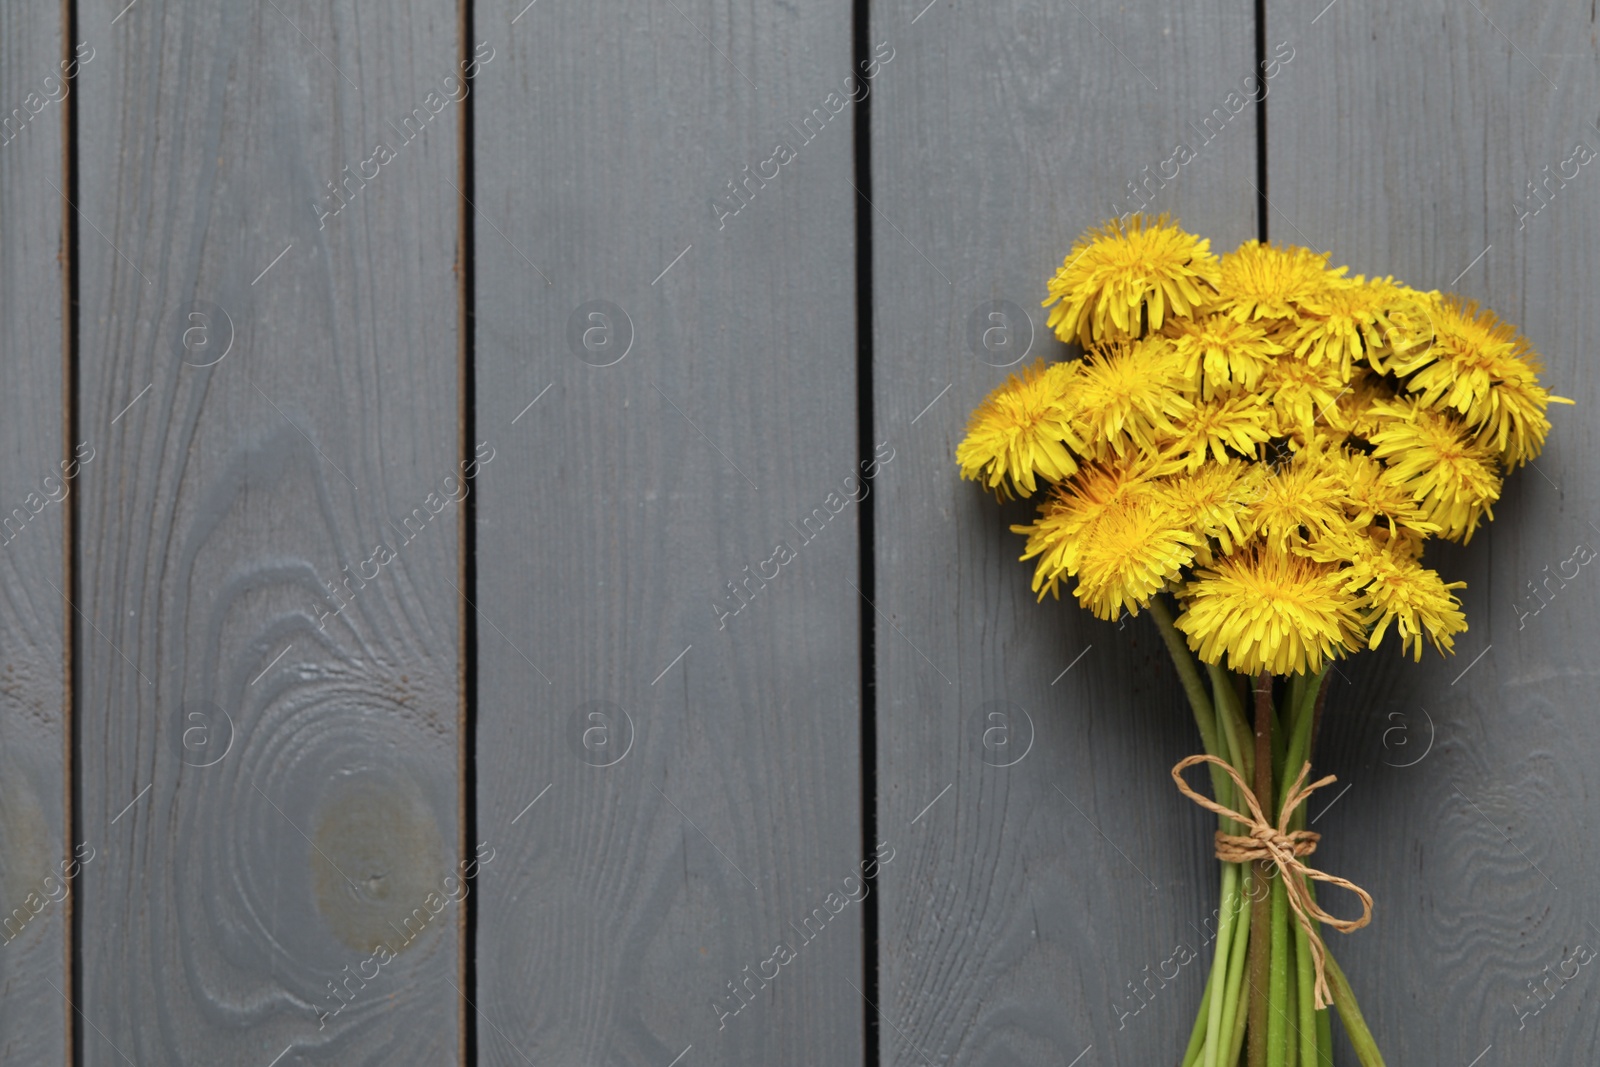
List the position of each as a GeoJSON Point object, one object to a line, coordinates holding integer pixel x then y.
{"type": "Point", "coordinates": [1188, 674]}
{"type": "Point", "coordinates": [1237, 1037]}
{"type": "Point", "coordinates": [1197, 1037]}
{"type": "Point", "coordinates": [1280, 745]}
{"type": "Point", "coordinates": [1316, 714]}
{"type": "Point", "coordinates": [1278, 979]}
{"type": "Point", "coordinates": [1292, 945]}
{"type": "Point", "coordinates": [1299, 720]}
{"type": "Point", "coordinates": [1261, 917]}
{"type": "Point", "coordinates": [1291, 1019]}
{"type": "Point", "coordinates": [1325, 1035]}
{"type": "Point", "coordinates": [1296, 691]}
{"type": "Point", "coordinates": [1231, 718]}
{"type": "Point", "coordinates": [1204, 1040]}
{"type": "Point", "coordinates": [1310, 1050]}
{"type": "Point", "coordinates": [1230, 741]}
{"type": "Point", "coordinates": [1231, 1022]}
{"type": "Point", "coordinates": [1313, 1052]}
{"type": "Point", "coordinates": [1228, 1023]}
{"type": "Point", "coordinates": [1324, 1016]}
{"type": "Point", "coordinates": [1355, 1027]}
{"type": "Point", "coordinates": [1226, 926]}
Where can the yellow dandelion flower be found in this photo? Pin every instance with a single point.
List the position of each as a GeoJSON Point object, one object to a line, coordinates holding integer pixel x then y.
{"type": "Point", "coordinates": [1221, 355]}
{"type": "Point", "coordinates": [1373, 491]}
{"type": "Point", "coordinates": [1120, 274]}
{"type": "Point", "coordinates": [1302, 394]}
{"type": "Point", "coordinates": [1068, 518]}
{"type": "Point", "coordinates": [1239, 423]}
{"type": "Point", "coordinates": [1395, 588]}
{"type": "Point", "coordinates": [1453, 475]}
{"type": "Point", "coordinates": [1270, 611]}
{"type": "Point", "coordinates": [1355, 317]}
{"type": "Point", "coordinates": [1401, 540]}
{"type": "Point", "coordinates": [1261, 281]}
{"type": "Point", "coordinates": [1345, 544]}
{"type": "Point", "coordinates": [1408, 329]}
{"type": "Point", "coordinates": [1483, 369]}
{"type": "Point", "coordinates": [1135, 552]}
{"type": "Point", "coordinates": [1021, 429]}
{"type": "Point", "coordinates": [1451, 334]}
{"type": "Point", "coordinates": [1213, 503]}
{"type": "Point", "coordinates": [1302, 500]}
{"type": "Point", "coordinates": [1517, 424]}
{"type": "Point", "coordinates": [1129, 393]}
{"type": "Point", "coordinates": [1354, 413]}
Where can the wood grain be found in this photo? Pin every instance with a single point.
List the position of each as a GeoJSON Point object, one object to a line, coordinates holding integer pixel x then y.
{"type": "Point", "coordinates": [625, 501]}
{"type": "Point", "coordinates": [270, 475]}
{"type": "Point", "coordinates": [270, 679]}
{"type": "Point", "coordinates": [1403, 142]}
{"type": "Point", "coordinates": [1060, 868]}
{"type": "Point", "coordinates": [35, 823]}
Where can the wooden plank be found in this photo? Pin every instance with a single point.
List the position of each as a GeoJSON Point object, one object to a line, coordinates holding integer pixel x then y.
{"type": "Point", "coordinates": [269, 534]}
{"type": "Point", "coordinates": [35, 824]}
{"type": "Point", "coordinates": [631, 897]}
{"type": "Point", "coordinates": [1029, 896]}
{"type": "Point", "coordinates": [1404, 141]}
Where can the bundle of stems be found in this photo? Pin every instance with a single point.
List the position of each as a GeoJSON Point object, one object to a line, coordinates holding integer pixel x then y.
{"type": "Point", "coordinates": [1259, 998]}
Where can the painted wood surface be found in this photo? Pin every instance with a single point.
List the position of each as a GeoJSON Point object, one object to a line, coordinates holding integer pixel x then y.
{"type": "Point", "coordinates": [1403, 140]}
{"type": "Point", "coordinates": [270, 679]}
{"type": "Point", "coordinates": [35, 892]}
{"type": "Point", "coordinates": [676, 695]}
{"type": "Point", "coordinates": [645, 241]}
{"type": "Point", "coordinates": [1046, 862]}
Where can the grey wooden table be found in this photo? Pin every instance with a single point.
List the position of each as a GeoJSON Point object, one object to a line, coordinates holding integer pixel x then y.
{"type": "Point", "coordinates": [485, 578]}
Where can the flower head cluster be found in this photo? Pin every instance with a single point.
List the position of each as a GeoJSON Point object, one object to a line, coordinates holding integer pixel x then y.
{"type": "Point", "coordinates": [1265, 437]}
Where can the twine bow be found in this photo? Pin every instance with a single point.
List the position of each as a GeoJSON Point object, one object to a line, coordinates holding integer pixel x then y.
{"type": "Point", "coordinates": [1283, 848]}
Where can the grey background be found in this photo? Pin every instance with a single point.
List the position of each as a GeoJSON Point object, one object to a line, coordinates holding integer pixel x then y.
{"type": "Point", "coordinates": [271, 776]}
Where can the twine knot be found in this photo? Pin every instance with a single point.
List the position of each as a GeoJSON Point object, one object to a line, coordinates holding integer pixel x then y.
{"type": "Point", "coordinates": [1265, 843]}
{"type": "Point", "coordinates": [1283, 848]}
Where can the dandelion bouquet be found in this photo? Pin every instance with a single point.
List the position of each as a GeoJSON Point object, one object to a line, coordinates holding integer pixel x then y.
{"type": "Point", "coordinates": [1268, 443]}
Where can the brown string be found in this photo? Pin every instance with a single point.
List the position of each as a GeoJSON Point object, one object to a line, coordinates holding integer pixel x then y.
{"type": "Point", "coordinates": [1282, 847]}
